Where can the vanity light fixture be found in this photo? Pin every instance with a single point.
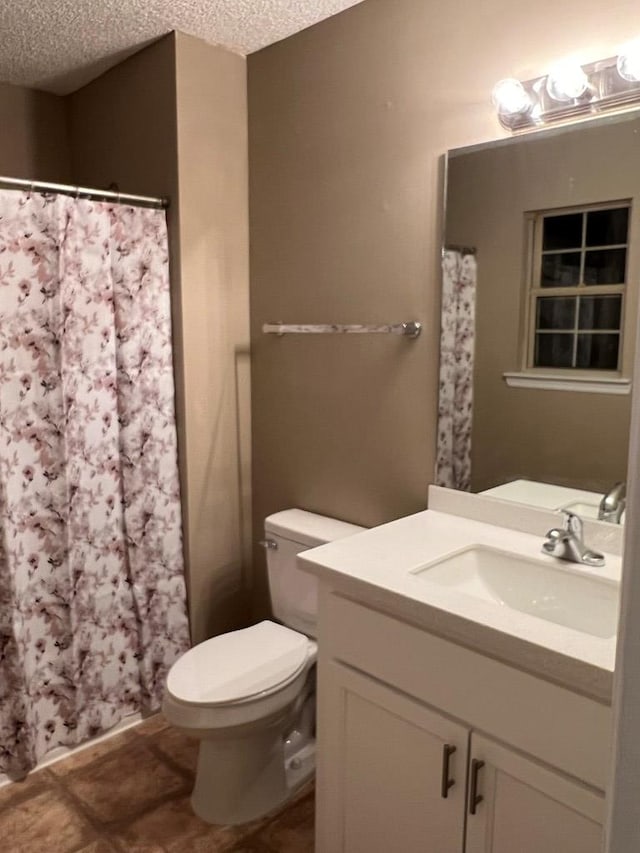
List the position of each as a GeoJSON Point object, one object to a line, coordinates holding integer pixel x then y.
{"type": "Point", "coordinates": [628, 63]}
{"type": "Point", "coordinates": [570, 90]}
{"type": "Point", "coordinates": [567, 81]}
{"type": "Point", "coordinates": [510, 98]}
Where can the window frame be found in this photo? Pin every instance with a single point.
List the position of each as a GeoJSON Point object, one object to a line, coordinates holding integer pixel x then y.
{"type": "Point", "coordinates": [533, 291]}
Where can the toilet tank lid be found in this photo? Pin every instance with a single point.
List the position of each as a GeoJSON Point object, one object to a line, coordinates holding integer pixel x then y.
{"type": "Point", "coordinates": [308, 528]}
{"type": "Point", "coordinates": [239, 664]}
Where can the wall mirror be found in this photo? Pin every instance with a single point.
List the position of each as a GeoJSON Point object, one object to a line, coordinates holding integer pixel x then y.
{"type": "Point", "coordinates": [551, 223]}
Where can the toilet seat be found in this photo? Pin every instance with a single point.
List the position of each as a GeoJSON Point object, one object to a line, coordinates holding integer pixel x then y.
{"type": "Point", "coordinates": [238, 666]}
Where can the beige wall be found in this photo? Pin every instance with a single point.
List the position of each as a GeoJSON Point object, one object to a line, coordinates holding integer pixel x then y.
{"type": "Point", "coordinates": [561, 437]}
{"type": "Point", "coordinates": [348, 120]}
{"type": "Point", "coordinates": [213, 166]}
{"type": "Point", "coordinates": [171, 120]}
{"type": "Point", "coordinates": [123, 125]}
{"type": "Point", "coordinates": [33, 140]}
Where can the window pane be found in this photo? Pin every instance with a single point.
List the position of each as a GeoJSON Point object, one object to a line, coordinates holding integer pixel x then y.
{"type": "Point", "coordinates": [556, 312]}
{"type": "Point", "coordinates": [553, 350]}
{"type": "Point", "coordinates": [606, 227]}
{"type": "Point", "coordinates": [560, 270]}
{"type": "Point", "coordinates": [606, 266]}
{"type": "Point", "coordinates": [600, 312]}
{"type": "Point", "coordinates": [598, 351]}
{"type": "Point", "coordinates": [562, 232]}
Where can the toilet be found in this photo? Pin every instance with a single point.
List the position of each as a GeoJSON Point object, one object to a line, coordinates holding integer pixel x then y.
{"type": "Point", "coordinates": [249, 695]}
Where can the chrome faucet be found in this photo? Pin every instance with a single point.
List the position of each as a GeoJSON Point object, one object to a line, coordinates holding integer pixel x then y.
{"type": "Point", "coordinates": [567, 543]}
{"type": "Point", "coordinates": [613, 503]}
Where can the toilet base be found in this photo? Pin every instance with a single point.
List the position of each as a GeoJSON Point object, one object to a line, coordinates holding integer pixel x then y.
{"type": "Point", "coordinates": [301, 767]}
{"type": "Point", "coordinates": [241, 779]}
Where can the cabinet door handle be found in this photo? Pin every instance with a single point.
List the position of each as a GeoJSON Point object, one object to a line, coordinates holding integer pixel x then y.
{"type": "Point", "coordinates": [474, 797]}
{"type": "Point", "coordinates": [447, 751]}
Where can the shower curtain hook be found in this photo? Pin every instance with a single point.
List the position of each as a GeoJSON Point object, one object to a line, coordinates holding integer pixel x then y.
{"type": "Point", "coordinates": [114, 188]}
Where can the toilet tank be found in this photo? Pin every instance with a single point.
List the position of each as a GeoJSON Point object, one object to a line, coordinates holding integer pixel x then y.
{"type": "Point", "coordinates": [294, 592]}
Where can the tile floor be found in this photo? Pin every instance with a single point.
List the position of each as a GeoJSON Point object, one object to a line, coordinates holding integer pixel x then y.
{"type": "Point", "coordinates": [130, 794]}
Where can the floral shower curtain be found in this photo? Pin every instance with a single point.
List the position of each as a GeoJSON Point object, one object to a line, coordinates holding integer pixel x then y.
{"type": "Point", "coordinates": [92, 592]}
{"type": "Point", "coordinates": [457, 337]}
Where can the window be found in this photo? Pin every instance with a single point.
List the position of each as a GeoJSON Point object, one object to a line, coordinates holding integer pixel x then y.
{"type": "Point", "coordinates": [578, 284]}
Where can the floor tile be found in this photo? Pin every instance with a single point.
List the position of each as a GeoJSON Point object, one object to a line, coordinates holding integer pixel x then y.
{"type": "Point", "coordinates": [99, 846]}
{"type": "Point", "coordinates": [293, 830]}
{"type": "Point", "coordinates": [35, 783]}
{"type": "Point", "coordinates": [173, 827]}
{"type": "Point", "coordinates": [252, 845]}
{"type": "Point", "coordinates": [45, 822]}
{"type": "Point", "coordinates": [89, 754]}
{"type": "Point", "coordinates": [125, 783]}
{"type": "Point", "coordinates": [307, 790]}
{"type": "Point", "coordinates": [179, 748]}
{"type": "Point", "coordinates": [135, 791]}
{"type": "Point", "coordinates": [152, 725]}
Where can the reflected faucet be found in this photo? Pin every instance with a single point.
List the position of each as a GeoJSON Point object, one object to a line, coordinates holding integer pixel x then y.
{"type": "Point", "coordinates": [613, 503]}
{"type": "Point", "coordinates": [567, 543]}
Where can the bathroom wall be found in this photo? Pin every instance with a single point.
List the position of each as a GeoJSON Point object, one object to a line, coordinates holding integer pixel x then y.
{"type": "Point", "coordinates": [562, 437]}
{"type": "Point", "coordinates": [122, 125]}
{"type": "Point", "coordinates": [171, 120]}
{"type": "Point", "coordinates": [214, 246]}
{"type": "Point", "coordinates": [348, 122]}
{"type": "Point", "coordinates": [33, 142]}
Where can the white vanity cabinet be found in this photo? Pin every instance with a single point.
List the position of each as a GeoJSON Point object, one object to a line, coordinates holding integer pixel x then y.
{"type": "Point", "coordinates": [388, 771]}
{"type": "Point", "coordinates": [427, 746]}
{"type": "Point", "coordinates": [526, 807]}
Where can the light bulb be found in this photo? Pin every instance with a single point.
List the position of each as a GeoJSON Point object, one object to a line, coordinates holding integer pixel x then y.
{"type": "Point", "coordinates": [566, 81]}
{"type": "Point", "coordinates": [628, 62]}
{"type": "Point", "coordinates": [510, 98]}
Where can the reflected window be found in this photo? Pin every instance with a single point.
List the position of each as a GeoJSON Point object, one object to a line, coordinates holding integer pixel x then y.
{"type": "Point", "coordinates": [578, 279]}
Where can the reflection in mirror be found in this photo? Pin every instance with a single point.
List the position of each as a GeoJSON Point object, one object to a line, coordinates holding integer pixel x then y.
{"type": "Point", "coordinates": [551, 222]}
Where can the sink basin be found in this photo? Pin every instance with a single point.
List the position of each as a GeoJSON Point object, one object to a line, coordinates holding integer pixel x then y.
{"type": "Point", "coordinates": [557, 595]}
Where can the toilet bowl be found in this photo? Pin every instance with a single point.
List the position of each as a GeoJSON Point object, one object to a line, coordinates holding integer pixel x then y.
{"type": "Point", "coordinates": [249, 695]}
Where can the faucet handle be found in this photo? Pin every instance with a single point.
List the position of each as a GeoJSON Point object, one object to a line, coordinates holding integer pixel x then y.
{"type": "Point", "coordinates": [613, 503]}
{"type": "Point", "coordinates": [573, 523]}
{"type": "Point", "coordinates": [568, 544]}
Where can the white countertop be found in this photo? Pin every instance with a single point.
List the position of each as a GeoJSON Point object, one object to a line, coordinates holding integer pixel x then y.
{"type": "Point", "coordinates": [546, 495]}
{"type": "Point", "coordinates": [532, 493]}
{"type": "Point", "coordinates": [374, 568]}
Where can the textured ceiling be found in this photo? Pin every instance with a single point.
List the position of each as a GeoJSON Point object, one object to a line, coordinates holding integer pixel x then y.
{"type": "Point", "coordinates": [59, 45]}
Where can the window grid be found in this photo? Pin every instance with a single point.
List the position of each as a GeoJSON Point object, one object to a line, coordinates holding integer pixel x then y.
{"type": "Point", "coordinates": [578, 291]}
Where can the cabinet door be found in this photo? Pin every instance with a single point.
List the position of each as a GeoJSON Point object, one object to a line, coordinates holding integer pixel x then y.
{"type": "Point", "coordinates": [388, 778]}
{"type": "Point", "coordinates": [528, 808]}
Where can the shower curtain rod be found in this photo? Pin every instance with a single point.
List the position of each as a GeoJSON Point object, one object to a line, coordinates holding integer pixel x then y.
{"type": "Point", "coordinates": [84, 192]}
